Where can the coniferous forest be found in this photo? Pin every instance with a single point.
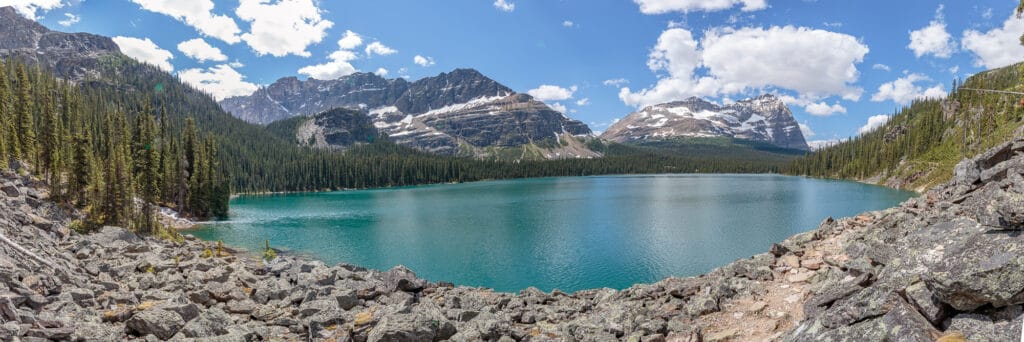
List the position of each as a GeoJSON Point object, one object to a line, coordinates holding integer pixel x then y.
{"type": "Point", "coordinates": [922, 142]}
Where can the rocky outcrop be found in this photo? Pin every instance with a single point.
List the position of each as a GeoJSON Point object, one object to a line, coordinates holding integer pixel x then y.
{"type": "Point", "coordinates": [765, 119]}
{"type": "Point", "coordinates": [72, 56]}
{"type": "Point", "coordinates": [337, 128]}
{"type": "Point", "coordinates": [450, 113]}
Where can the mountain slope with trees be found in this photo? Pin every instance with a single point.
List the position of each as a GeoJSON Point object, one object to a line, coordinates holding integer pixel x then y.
{"type": "Point", "coordinates": [919, 146]}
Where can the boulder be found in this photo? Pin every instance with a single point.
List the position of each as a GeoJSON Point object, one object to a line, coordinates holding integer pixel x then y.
{"type": "Point", "coordinates": [210, 323]}
{"type": "Point", "coordinates": [160, 323]}
{"type": "Point", "coordinates": [413, 327]}
{"type": "Point", "coordinates": [401, 278]}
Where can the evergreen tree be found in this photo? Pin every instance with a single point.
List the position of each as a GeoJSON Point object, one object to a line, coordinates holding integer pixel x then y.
{"type": "Point", "coordinates": [25, 129]}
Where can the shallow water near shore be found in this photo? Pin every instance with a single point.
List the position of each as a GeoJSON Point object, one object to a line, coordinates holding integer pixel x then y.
{"type": "Point", "coordinates": [568, 233]}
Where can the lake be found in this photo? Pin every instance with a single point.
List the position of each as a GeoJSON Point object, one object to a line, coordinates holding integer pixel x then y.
{"type": "Point", "coordinates": [568, 233]}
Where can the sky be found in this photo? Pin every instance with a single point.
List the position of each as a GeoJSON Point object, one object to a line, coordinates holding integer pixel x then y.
{"type": "Point", "coordinates": [842, 66]}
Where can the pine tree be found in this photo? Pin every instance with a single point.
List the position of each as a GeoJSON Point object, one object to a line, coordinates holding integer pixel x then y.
{"type": "Point", "coordinates": [50, 146]}
{"type": "Point", "coordinates": [146, 167]}
{"type": "Point", "coordinates": [22, 128]}
{"type": "Point", "coordinates": [81, 176]}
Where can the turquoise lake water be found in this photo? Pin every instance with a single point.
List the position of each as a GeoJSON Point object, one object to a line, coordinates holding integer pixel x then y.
{"type": "Point", "coordinates": [567, 233]}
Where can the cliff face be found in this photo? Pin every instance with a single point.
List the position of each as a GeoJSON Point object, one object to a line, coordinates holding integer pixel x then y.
{"type": "Point", "coordinates": [69, 55]}
{"type": "Point", "coordinates": [444, 114]}
{"type": "Point", "coordinates": [765, 119]}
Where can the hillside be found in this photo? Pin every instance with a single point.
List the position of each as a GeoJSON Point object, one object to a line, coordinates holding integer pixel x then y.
{"type": "Point", "coordinates": [920, 145]}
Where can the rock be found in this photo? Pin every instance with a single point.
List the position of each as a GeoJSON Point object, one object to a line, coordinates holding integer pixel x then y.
{"type": "Point", "coordinates": [108, 235]}
{"type": "Point", "coordinates": [161, 323]}
{"type": "Point", "coordinates": [922, 299]}
{"type": "Point", "coordinates": [977, 327]}
{"type": "Point", "coordinates": [801, 277]}
{"type": "Point", "coordinates": [701, 305]}
{"type": "Point", "coordinates": [978, 268]}
{"type": "Point", "coordinates": [411, 327]}
{"type": "Point", "coordinates": [10, 190]}
{"type": "Point", "coordinates": [790, 260]}
{"type": "Point", "coordinates": [813, 263]}
{"type": "Point", "coordinates": [966, 173]}
{"type": "Point", "coordinates": [401, 278]}
{"type": "Point", "coordinates": [347, 299]}
{"type": "Point", "coordinates": [210, 323]}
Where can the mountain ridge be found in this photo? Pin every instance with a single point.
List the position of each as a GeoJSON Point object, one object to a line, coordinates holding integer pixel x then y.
{"type": "Point", "coordinates": [451, 113]}
{"type": "Point", "coordinates": [764, 118]}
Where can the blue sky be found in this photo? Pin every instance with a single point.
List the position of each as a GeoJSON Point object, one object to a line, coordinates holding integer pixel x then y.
{"type": "Point", "coordinates": [839, 64]}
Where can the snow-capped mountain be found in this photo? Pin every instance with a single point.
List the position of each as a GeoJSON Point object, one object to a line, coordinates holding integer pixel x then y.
{"type": "Point", "coordinates": [438, 114]}
{"type": "Point", "coordinates": [765, 118]}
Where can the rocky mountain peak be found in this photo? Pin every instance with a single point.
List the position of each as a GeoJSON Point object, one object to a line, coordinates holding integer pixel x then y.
{"type": "Point", "coordinates": [764, 118]}
{"type": "Point", "coordinates": [69, 55]}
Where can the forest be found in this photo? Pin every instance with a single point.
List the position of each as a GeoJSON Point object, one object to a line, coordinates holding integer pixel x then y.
{"type": "Point", "coordinates": [922, 142]}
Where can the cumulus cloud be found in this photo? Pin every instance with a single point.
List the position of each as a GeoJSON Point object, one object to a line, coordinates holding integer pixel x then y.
{"type": "Point", "coordinates": [882, 67]}
{"type": "Point", "coordinates": [504, 5]}
{"type": "Point", "coordinates": [69, 19]}
{"type": "Point", "coordinates": [905, 89]}
{"type": "Point", "coordinates": [197, 14]}
{"type": "Point", "coordinates": [31, 8]}
{"type": "Point", "coordinates": [144, 50]}
{"type": "Point", "coordinates": [379, 49]}
{"type": "Point", "coordinates": [283, 27]}
{"type": "Point", "coordinates": [815, 63]}
{"type": "Point", "coordinates": [381, 72]}
{"type": "Point", "coordinates": [552, 93]}
{"type": "Point", "coordinates": [558, 107]}
{"type": "Point", "coordinates": [583, 102]}
{"type": "Point", "coordinates": [685, 6]}
{"type": "Point", "coordinates": [873, 123]}
{"type": "Point", "coordinates": [998, 47]}
{"type": "Point", "coordinates": [350, 40]}
{"type": "Point", "coordinates": [221, 81]}
{"type": "Point", "coordinates": [932, 39]}
{"type": "Point", "coordinates": [338, 66]}
{"type": "Point", "coordinates": [618, 82]}
{"type": "Point", "coordinates": [423, 61]}
{"type": "Point", "coordinates": [201, 51]}
{"type": "Point", "coordinates": [824, 109]}
{"type": "Point", "coordinates": [806, 130]}
{"type": "Point", "coordinates": [568, 23]}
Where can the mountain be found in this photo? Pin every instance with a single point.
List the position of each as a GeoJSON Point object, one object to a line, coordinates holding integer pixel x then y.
{"type": "Point", "coordinates": [71, 55]}
{"type": "Point", "coordinates": [450, 113]}
{"type": "Point", "coordinates": [764, 119]}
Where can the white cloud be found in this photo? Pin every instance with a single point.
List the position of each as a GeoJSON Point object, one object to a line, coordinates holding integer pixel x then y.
{"type": "Point", "coordinates": [381, 72]}
{"type": "Point", "coordinates": [568, 23]}
{"type": "Point", "coordinates": [284, 27]}
{"type": "Point", "coordinates": [338, 66]}
{"type": "Point", "coordinates": [552, 93]}
{"type": "Point", "coordinates": [987, 14]}
{"type": "Point", "coordinates": [423, 61]}
{"type": "Point", "coordinates": [379, 49]}
{"type": "Point", "coordinates": [144, 50]}
{"type": "Point", "coordinates": [350, 40]}
{"type": "Point", "coordinates": [824, 109]}
{"type": "Point", "coordinates": [882, 67]}
{"type": "Point", "coordinates": [873, 123]}
{"type": "Point", "coordinates": [904, 90]}
{"type": "Point", "coordinates": [29, 8]}
{"type": "Point", "coordinates": [820, 144]}
{"type": "Point", "coordinates": [685, 6]}
{"type": "Point", "coordinates": [998, 47]}
{"type": "Point", "coordinates": [199, 15]}
{"type": "Point", "coordinates": [221, 81]}
{"type": "Point", "coordinates": [618, 82]}
{"type": "Point", "coordinates": [806, 130]}
{"type": "Point", "coordinates": [558, 107]}
{"type": "Point", "coordinates": [932, 39]}
{"type": "Point", "coordinates": [504, 5]}
{"type": "Point", "coordinates": [70, 19]}
{"type": "Point", "coordinates": [201, 51]}
{"type": "Point", "coordinates": [815, 63]}
{"type": "Point", "coordinates": [583, 102]}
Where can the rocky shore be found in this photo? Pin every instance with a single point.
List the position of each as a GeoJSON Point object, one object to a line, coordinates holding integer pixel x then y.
{"type": "Point", "coordinates": [948, 265]}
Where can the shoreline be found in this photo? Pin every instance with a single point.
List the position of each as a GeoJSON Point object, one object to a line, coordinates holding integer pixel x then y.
{"type": "Point", "coordinates": [916, 271]}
